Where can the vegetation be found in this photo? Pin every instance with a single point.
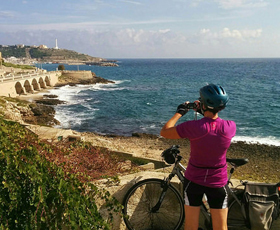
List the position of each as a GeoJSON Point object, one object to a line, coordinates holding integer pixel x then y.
{"type": "Point", "coordinates": [47, 187]}
{"type": "Point", "coordinates": [12, 51]}
{"type": "Point", "coordinates": [61, 67]}
{"type": "Point", "coordinates": [37, 53]}
{"type": "Point", "coordinates": [7, 64]}
{"type": "Point", "coordinates": [44, 54]}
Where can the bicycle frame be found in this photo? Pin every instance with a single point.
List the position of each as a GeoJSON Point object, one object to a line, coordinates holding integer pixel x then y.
{"type": "Point", "coordinates": [179, 169]}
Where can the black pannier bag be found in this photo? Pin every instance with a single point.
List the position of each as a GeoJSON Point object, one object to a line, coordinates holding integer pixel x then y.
{"type": "Point", "coordinates": [261, 205]}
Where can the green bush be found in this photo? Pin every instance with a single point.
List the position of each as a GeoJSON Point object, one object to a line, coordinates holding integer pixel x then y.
{"type": "Point", "coordinates": [7, 64]}
{"type": "Point", "coordinates": [61, 67]}
{"type": "Point", "coordinates": [36, 193]}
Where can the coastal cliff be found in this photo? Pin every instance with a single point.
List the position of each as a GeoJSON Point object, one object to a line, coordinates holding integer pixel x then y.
{"type": "Point", "coordinates": [32, 54]}
{"type": "Point", "coordinates": [80, 77]}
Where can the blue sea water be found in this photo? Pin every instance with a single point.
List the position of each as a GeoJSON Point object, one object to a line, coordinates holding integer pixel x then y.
{"type": "Point", "coordinates": [147, 92]}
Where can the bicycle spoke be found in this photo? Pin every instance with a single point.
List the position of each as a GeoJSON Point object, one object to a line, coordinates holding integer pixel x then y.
{"type": "Point", "coordinates": [144, 198]}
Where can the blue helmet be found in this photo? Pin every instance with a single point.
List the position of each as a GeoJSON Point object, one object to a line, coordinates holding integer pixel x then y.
{"type": "Point", "coordinates": [214, 97]}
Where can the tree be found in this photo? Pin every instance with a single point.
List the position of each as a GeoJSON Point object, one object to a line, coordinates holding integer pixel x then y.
{"type": "Point", "coordinates": [61, 67]}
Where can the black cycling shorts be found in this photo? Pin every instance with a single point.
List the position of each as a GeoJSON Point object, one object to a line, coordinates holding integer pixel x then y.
{"type": "Point", "coordinates": [217, 198]}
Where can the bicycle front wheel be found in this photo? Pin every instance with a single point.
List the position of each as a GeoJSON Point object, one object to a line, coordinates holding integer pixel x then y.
{"type": "Point", "coordinates": [140, 200]}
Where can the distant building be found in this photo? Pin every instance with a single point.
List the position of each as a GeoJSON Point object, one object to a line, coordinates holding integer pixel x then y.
{"type": "Point", "coordinates": [43, 47]}
{"type": "Point", "coordinates": [56, 46]}
{"type": "Point", "coordinates": [20, 46]}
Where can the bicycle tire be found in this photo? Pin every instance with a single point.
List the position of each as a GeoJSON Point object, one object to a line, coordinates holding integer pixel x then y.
{"type": "Point", "coordinates": [236, 219]}
{"type": "Point", "coordinates": [142, 196]}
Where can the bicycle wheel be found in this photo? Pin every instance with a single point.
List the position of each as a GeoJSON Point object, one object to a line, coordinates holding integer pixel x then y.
{"type": "Point", "coordinates": [236, 219]}
{"type": "Point", "coordinates": [142, 197]}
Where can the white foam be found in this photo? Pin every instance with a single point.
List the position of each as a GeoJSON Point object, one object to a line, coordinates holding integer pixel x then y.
{"type": "Point", "coordinates": [258, 140]}
{"type": "Point", "coordinates": [106, 87]}
{"type": "Point", "coordinates": [68, 121]}
{"type": "Point", "coordinates": [66, 93]}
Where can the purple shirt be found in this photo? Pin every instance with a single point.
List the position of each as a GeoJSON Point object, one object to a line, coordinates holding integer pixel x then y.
{"type": "Point", "coordinates": [209, 140]}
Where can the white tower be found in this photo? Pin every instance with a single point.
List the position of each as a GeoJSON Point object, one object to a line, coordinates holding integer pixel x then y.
{"type": "Point", "coordinates": [56, 47]}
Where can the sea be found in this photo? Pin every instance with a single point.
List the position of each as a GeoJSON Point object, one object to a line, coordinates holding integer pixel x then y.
{"type": "Point", "coordinates": [146, 93]}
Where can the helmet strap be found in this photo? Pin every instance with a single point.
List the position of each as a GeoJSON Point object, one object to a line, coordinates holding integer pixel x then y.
{"type": "Point", "coordinates": [201, 108]}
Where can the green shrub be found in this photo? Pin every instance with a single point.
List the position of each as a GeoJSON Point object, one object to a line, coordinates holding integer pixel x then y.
{"type": "Point", "coordinates": [7, 64]}
{"type": "Point", "coordinates": [36, 193]}
{"type": "Point", "coordinates": [61, 67]}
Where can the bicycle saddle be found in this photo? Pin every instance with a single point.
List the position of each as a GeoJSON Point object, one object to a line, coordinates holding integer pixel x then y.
{"type": "Point", "coordinates": [238, 162]}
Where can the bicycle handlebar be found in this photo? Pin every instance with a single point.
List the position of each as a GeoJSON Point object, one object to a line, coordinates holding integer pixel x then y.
{"type": "Point", "coordinates": [171, 154]}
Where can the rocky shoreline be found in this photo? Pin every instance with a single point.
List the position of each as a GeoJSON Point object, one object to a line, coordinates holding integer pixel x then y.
{"type": "Point", "coordinates": [264, 164]}
{"type": "Point", "coordinates": [38, 109]}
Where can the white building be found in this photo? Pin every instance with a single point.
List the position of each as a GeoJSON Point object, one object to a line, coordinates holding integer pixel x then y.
{"type": "Point", "coordinates": [56, 47]}
{"type": "Point", "coordinates": [43, 47]}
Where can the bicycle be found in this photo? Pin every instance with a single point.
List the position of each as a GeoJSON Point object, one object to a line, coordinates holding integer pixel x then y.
{"type": "Point", "coordinates": [153, 204]}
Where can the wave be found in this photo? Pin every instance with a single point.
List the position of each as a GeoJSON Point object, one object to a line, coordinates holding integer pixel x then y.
{"type": "Point", "coordinates": [71, 94]}
{"type": "Point", "coordinates": [106, 87]}
{"type": "Point", "coordinates": [270, 140]}
{"type": "Point", "coordinates": [66, 93]}
{"type": "Point", "coordinates": [68, 121]}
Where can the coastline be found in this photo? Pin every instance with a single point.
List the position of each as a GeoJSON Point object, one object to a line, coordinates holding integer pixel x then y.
{"type": "Point", "coordinates": [263, 163]}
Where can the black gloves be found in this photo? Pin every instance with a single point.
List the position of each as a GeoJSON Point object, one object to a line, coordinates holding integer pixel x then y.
{"type": "Point", "coordinates": [182, 109]}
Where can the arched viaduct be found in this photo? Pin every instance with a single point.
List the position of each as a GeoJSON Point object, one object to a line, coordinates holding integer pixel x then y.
{"type": "Point", "coordinates": [15, 85]}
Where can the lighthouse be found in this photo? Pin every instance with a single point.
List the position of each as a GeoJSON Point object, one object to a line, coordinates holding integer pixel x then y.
{"type": "Point", "coordinates": [56, 47]}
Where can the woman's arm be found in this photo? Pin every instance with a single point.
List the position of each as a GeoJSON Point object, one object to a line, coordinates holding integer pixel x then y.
{"type": "Point", "coordinates": [169, 129]}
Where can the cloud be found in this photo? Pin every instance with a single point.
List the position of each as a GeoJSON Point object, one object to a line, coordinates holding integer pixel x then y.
{"type": "Point", "coordinates": [102, 25]}
{"type": "Point", "coordinates": [230, 4]}
{"type": "Point", "coordinates": [195, 3]}
{"type": "Point", "coordinates": [226, 33]}
{"type": "Point", "coordinates": [6, 14]}
{"type": "Point", "coordinates": [140, 43]}
{"type": "Point", "coordinates": [131, 2]}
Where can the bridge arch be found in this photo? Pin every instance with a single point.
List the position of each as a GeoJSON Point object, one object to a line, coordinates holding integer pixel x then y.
{"type": "Point", "coordinates": [35, 85]}
{"type": "Point", "coordinates": [42, 83]}
{"type": "Point", "coordinates": [28, 87]}
{"type": "Point", "coordinates": [48, 80]}
{"type": "Point", "coordinates": [19, 89]}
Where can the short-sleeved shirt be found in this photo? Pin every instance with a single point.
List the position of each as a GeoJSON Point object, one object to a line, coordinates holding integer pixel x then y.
{"type": "Point", "coordinates": [210, 139]}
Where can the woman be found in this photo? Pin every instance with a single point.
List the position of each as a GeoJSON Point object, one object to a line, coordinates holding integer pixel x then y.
{"type": "Point", "coordinates": [210, 137]}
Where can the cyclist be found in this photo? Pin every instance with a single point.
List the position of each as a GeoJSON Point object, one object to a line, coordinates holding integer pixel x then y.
{"type": "Point", "coordinates": [210, 137]}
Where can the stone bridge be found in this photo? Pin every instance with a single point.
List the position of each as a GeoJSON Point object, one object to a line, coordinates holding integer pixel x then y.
{"type": "Point", "coordinates": [13, 85]}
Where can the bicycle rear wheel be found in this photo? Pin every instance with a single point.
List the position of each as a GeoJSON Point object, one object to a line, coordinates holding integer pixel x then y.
{"type": "Point", "coordinates": [140, 200]}
{"type": "Point", "coordinates": [236, 220]}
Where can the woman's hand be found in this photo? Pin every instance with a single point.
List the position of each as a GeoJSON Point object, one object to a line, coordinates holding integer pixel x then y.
{"type": "Point", "coordinates": [182, 108]}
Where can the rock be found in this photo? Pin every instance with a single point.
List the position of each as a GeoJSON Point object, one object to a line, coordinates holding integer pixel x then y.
{"type": "Point", "coordinates": [12, 112]}
{"type": "Point", "coordinates": [50, 96]}
{"type": "Point", "coordinates": [50, 101]}
{"type": "Point", "coordinates": [79, 77]}
{"type": "Point", "coordinates": [145, 135]}
{"type": "Point", "coordinates": [149, 166]}
{"type": "Point", "coordinates": [126, 165]}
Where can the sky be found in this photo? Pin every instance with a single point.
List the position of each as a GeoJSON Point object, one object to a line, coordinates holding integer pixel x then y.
{"type": "Point", "coordinates": [146, 28]}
